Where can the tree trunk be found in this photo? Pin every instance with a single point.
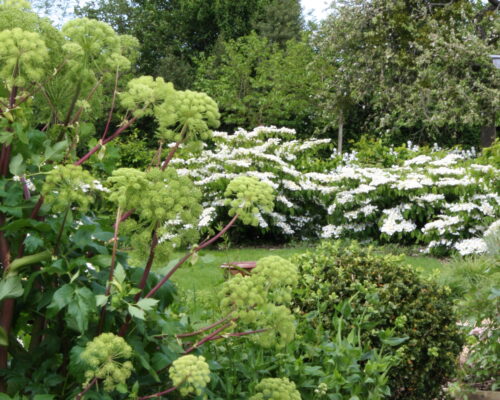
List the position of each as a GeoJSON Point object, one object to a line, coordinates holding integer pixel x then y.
{"type": "Point", "coordinates": [341, 133]}
{"type": "Point", "coordinates": [489, 133]}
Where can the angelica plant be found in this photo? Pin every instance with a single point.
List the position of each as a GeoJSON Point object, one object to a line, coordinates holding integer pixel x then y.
{"type": "Point", "coordinates": [82, 310]}
{"type": "Point", "coordinates": [66, 186]}
{"type": "Point", "coordinates": [276, 389]}
{"type": "Point", "coordinates": [191, 374]}
{"type": "Point", "coordinates": [107, 358]}
{"type": "Point", "coordinates": [246, 195]}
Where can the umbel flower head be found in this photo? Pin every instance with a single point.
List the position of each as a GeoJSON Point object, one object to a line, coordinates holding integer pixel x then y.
{"type": "Point", "coordinates": [144, 93]}
{"type": "Point", "coordinates": [106, 357]}
{"type": "Point", "coordinates": [23, 55]}
{"type": "Point", "coordinates": [66, 185]}
{"type": "Point", "coordinates": [246, 196]}
{"type": "Point", "coordinates": [93, 45]}
{"type": "Point", "coordinates": [194, 110]}
{"type": "Point", "coordinates": [276, 389]}
{"type": "Point", "coordinates": [259, 300]}
{"type": "Point", "coordinates": [190, 373]}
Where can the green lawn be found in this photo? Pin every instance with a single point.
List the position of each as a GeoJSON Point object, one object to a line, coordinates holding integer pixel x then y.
{"type": "Point", "coordinates": [206, 273]}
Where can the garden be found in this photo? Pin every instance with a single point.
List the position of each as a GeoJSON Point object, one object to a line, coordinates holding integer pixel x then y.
{"type": "Point", "coordinates": [129, 206]}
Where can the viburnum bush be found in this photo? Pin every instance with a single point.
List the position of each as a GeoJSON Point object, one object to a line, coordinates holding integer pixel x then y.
{"type": "Point", "coordinates": [83, 314]}
{"type": "Point", "coordinates": [443, 200]}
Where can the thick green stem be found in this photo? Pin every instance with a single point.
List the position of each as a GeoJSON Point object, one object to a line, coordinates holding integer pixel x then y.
{"type": "Point", "coordinates": [112, 267]}
{"type": "Point", "coordinates": [18, 263]}
{"type": "Point", "coordinates": [61, 230]}
{"type": "Point", "coordinates": [72, 104]}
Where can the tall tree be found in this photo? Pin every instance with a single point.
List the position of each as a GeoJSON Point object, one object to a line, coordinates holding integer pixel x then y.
{"type": "Point", "coordinates": [173, 32]}
{"type": "Point", "coordinates": [399, 60]}
{"type": "Point", "coordinates": [256, 82]}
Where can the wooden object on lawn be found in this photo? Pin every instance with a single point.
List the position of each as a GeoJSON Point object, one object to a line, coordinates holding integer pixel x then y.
{"type": "Point", "coordinates": [239, 267]}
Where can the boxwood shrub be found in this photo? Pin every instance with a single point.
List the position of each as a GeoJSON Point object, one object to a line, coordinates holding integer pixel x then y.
{"type": "Point", "coordinates": [390, 294]}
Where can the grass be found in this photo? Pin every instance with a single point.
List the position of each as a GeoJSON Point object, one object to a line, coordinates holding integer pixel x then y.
{"type": "Point", "coordinates": [206, 274]}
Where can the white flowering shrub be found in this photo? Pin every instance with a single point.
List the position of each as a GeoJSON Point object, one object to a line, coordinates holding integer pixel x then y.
{"type": "Point", "coordinates": [444, 200]}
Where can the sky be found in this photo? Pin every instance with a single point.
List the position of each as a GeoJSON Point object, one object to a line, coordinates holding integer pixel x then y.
{"type": "Point", "coordinates": [313, 9]}
{"type": "Point", "coordinates": [317, 8]}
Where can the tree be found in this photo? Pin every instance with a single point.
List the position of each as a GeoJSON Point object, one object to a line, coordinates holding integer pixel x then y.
{"type": "Point", "coordinates": [375, 53]}
{"type": "Point", "coordinates": [173, 32]}
{"type": "Point", "coordinates": [256, 83]}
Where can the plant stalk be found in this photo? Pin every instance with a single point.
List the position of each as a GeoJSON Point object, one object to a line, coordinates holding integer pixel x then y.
{"type": "Point", "coordinates": [107, 140]}
{"type": "Point", "coordinates": [112, 267]}
{"type": "Point", "coordinates": [188, 255]}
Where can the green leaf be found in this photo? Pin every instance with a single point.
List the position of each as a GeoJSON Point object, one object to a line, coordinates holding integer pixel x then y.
{"type": "Point", "coordinates": [4, 340]}
{"type": "Point", "coordinates": [147, 304]}
{"type": "Point", "coordinates": [16, 166]}
{"type": "Point", "coordinates": [61, 298]}
{"type": "Point", "coordinates": [14, 211]}
{"type": "Point", "coordinates": [44, 397]}
{"type": "Point", "coordinates": [135, 311]}
{"type": "Point", "coordinates": [80, 308]}
{"type": "Point", "coordinates": [119, 274]}
{"type": "Point", "coordinates": [100, 300]}
{"type": "Point", "coordinates": [393, 341]}
{"type": "Point", "coordinates": [55, 152]}
{"type": "Point", "coordinates": [11, 287]}
{"type": "Point", "coordinates": [6, 137]}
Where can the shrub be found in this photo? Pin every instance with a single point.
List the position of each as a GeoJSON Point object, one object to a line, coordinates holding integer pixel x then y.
{"type": "Point", "coordinates": [393, 297]}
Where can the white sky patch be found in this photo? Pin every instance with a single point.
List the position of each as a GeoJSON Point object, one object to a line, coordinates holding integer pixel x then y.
{"type": "Point", "coordinates": [61, 10]}
{"type": "Point", "coordinates": [315, 9]}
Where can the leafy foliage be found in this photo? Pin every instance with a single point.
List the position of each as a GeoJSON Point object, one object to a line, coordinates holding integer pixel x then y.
{"type": "Point", "coordinates": [392, 296]}
{"type": "Point", "coordinates": [82, 314]}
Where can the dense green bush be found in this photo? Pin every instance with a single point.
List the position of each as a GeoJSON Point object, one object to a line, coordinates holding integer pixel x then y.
{"type": "Point", "coordinates": [392, 296]}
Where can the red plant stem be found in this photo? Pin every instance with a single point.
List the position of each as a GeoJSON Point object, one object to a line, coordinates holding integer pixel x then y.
{"type": "Point", "coordinates": [36, 209]}
{"type": "Point", "coordinates": [149, 264]}
{"type": "Point", "coordinates": [127, 215]}
{"type": "Point", "coordinates": [170, 156]}
{"type": "Point", "coordinates": [87, 388]}
{"type": "Point", "coordinates": [206, 328]}
{"type": "Point", "coordinates": [112, 267]}
{"type": "Point", "coordinates": [174, 149]}
{"type": "Point", "coordinates": [13, 92]}
{"type": "Point", "coordinates": [26, 191]}
{"type": "Point", "coordinates": [208, 338]}
{"type": "Point", "coordinates": [152, 396]}
{"type": "Point", "coordinates": [5, 158]}
{"type": "Point", "coordinates": [238, 334]}
{"type": "Point", "coordinates": [113, 101]}
{"type": "Point", "coordinates": [105, 141]}
{"type": "Point", "coordinates": [188, 255]}
{"type": "Point", "coordinates": [7, 306]}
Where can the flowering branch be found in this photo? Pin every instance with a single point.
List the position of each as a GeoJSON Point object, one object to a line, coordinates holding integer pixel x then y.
{"type": "Point", "coordinates": [110, 115]}
{"type": "Point", "coordinates": [89, 96]}
{"type": "Point", "coordinates": [238, 334]}
{"type": "Point", "coordinates": [112, 267]}
{"type": "Point", "coordinates": [105, 141]}
{"type": "Point", "coordinates": [188, 255]}
{"type": "Point", "coordinates": [152, 396]}
{"type": "Point", "coordinates": [86, 389]}
{"type": "Point", "coordinates": [209, 337]}
{"type": "Point", "coordinates": [206, 328]}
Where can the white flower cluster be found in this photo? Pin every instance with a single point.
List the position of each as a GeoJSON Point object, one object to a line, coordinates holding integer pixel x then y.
{"type": "Point", "coordinates": [437, 199]}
